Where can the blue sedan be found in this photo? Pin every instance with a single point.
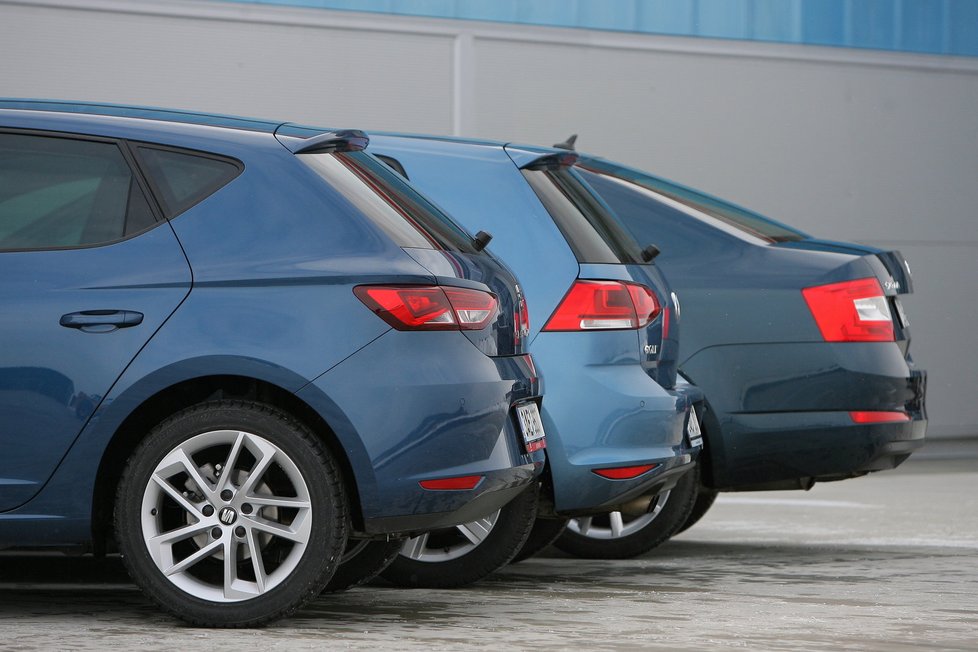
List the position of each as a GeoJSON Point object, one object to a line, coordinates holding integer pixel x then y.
{"type": "Point", "coordinates": [234, 349]}
{"type": "Point", "coordinates": [800, 345]}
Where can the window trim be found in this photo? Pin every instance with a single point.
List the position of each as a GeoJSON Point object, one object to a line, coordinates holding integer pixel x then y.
{"type": "Point", "coordinates": [123, 147]}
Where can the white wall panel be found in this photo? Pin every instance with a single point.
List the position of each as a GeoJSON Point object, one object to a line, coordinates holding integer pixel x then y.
{"type": "Point", "coordinates": [846, 144]}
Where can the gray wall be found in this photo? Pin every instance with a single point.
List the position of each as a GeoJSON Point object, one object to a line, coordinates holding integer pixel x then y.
{"type": "Point", "coordinates": [856, 145]}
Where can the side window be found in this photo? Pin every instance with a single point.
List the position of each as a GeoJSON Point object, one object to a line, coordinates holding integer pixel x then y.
{"type": "Point", "coordinates": [184, 179]}
{"type": "Point", "coordinates": [60, 192]}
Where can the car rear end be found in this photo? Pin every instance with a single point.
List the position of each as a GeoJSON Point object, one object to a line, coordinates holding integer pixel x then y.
{"type": "Point", "coordinates": [446, 400]}
{"type": "Point", "coordinates": [801, 346]}
{"type": "Point", "coordinates": [603, 327]}
{"type": "Point", "coordinates": [628, 429]}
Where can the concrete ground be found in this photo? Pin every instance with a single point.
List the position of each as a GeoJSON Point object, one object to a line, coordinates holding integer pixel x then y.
{"type": "Point", "coordinates": [887, 562]}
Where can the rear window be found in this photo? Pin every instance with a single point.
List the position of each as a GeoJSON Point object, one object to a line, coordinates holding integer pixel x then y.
{"type": "Point", "coordinates": [389, 201]}
{"type": "Point", "coordinates": [183, 179]}
{"type": "Point", "coordinates": [676, 197]}
{"type": "Point", "coordinates": [594, 235]}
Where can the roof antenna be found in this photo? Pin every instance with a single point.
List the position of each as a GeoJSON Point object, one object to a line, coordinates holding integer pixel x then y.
{"type": "Point", "coordinates": [567, 144]}
{"type": "Point", "coordinates": [480, 240]}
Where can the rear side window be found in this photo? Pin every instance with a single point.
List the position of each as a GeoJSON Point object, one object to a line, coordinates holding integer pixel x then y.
{"type": "Point", "coordinates": [61, 192]}
{"type": "Point", "coordinates": [390, 201]}
{"type": "Point", "coordinates": [182, 178]}
{"type": "Point", "coordinates": [592, 232]}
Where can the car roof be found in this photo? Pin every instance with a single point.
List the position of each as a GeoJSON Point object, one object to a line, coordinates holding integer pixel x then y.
{"type": "Point", "coordinates": [520, 154]}
{"type": "Point", "coordinates": [142, 112]}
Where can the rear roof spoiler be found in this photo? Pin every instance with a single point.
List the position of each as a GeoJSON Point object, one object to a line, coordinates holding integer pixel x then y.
{"type": "Point", "coordinates": [550, 161]}
{"type": "Point", "coordinates": [342, 140]}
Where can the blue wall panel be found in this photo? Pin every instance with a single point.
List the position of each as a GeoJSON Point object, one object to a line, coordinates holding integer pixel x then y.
{"type": "Point", "coordinates": [947, 27]}
{"type": "Point", "coordinates": [963, 27]}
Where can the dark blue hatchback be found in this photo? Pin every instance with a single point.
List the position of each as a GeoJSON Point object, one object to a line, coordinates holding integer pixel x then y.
{"type": "Point", "coordinates": [233, 347]}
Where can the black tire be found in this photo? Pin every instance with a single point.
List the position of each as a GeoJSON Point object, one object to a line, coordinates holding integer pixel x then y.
{"type": "Point", "coordinates": [362, 561]}
{"type": "Point", "coordinates": [704, 500]}
{"type": "Point", "coordinates": [545, 531]}
{"type": "Point", "coordinates": [462, 563]}
{"type": "Point", "coordinates": [646, 533]}
{"type": "Point", "coordinates": [286, 502]}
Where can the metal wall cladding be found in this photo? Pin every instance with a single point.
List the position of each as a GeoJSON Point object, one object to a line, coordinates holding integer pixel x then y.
{"type": "Point", "coordinates": [947, 27]}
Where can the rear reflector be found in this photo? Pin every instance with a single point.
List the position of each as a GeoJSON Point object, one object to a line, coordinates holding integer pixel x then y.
{"type": "Point", "coordinates": [429, 308]}
{"type": "Point", "coordinates": [879, 417]}
{"type": "Point", "coordinates": [461, 483]}
{"type": "Point", "coordinates": [851, 311]}
{"type": "Point", "coordinates": [624, 472]}
{"type": "Point", "coordinates": [604, 305]}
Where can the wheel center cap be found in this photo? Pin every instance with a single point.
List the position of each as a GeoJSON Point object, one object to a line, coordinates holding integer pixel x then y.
{"type": "Point", "coordinates": [227, 516]}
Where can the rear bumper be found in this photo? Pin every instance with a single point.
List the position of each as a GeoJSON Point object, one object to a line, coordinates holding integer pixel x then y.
{"type": "Point", "coordinates": [780, 412]}
{"type": "Point", "coordinates": [428, 406]}
{"type": "Point", "coordinates": [602, 416]}
{"type": "Point", "coordinates": [781, 450]}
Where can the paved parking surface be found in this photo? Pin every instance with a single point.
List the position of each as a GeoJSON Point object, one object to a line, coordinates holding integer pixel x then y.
{"type": "Point", "coordinates": [887, 562]}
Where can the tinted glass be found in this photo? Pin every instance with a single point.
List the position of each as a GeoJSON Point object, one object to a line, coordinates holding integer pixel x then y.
{"type": "Point", "coordinates": [716, 212]}
{"type": "Point", "coordinates": [389, 201]}
{"type": "Point", "coordinates": [184, 178]}
{"type": "Point", "coordinates": [59, 192]}
{"type": "Point", "coordinates": [591, 231]}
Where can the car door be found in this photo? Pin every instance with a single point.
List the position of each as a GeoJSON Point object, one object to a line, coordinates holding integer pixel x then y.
{"type": "Point", "coordinates": [88, 274]}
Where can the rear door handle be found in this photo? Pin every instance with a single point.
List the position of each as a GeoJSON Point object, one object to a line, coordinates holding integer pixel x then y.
{"type": "Point", "coordinates": [101, 321]}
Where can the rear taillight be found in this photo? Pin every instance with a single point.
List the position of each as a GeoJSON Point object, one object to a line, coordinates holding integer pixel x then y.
{"type": "Point", "coordinates": [429, 308]}
{"type": "Point", "coordinates": [851, 311]}
{"type": "Point", "coordinates": [604, 305]}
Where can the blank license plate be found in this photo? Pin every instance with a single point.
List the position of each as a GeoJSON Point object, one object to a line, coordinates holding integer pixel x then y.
{"type": "Point", "coordinates": [531, 426]}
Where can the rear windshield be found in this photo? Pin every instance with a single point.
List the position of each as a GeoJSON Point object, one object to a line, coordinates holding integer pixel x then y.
{"type": "Point", "coordinates": [592, 232]}
{"type": "Point", "coordinates": [691, 202]}
{"type": "Point", "coordinates": [389, 201]}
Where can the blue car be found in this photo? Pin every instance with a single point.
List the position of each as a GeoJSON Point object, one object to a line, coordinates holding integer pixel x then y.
{"type": "Point", "coordinates": [233, 349]}
{"type": "Point", "coordinates": [800, 345]}
{"type": "Point", "coordinates": [621, 426]}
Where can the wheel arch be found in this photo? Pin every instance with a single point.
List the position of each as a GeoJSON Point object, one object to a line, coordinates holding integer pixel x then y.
{"type": "Point", "coordinates": [191, 391]}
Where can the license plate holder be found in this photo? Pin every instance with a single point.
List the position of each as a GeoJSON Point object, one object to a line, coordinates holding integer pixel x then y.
{"type": "Point", "coordinates": [531, 427]}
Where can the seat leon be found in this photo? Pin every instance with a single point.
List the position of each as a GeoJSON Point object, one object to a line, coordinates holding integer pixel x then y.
{"type": "Point", "coordinates": [233, 347]}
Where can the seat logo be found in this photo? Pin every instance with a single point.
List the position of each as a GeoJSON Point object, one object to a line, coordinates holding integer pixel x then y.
{"type": "Point", "coordinates": [228, 516]}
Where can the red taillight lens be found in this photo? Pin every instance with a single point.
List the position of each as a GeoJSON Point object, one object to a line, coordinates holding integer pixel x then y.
{"type": "Point", "coordinates": [429, 308]}
{"type": "Point", "coordinates": [879, 417]}
{"type": "Point", "coordinates": [624, 472]}
{"type": "Point", "coordinates": [604, 305]}
{"type": "Point", "coordinates": [461, 483]}
{"type": "Point", "coordinates": [851, 311]}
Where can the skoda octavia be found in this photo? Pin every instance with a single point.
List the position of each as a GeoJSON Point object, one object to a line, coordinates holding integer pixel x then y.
{"type": "Point", "coordinates": [232, 348]}
{"type": "Point", "coordinates": [801, 345]}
